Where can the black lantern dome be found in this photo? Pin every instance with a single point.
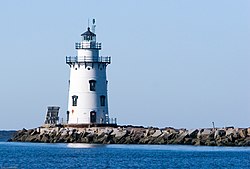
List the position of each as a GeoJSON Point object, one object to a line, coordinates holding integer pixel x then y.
{"type": "Point", "coordinates": [88, 35]}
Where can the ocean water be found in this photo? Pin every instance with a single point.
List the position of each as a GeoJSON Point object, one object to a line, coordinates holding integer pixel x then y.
{"type": "Point", "coordinates": [41, 156]}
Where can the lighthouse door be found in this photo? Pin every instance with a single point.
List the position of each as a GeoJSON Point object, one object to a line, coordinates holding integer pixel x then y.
{"type": "Point", "coordinates": [92, 117]}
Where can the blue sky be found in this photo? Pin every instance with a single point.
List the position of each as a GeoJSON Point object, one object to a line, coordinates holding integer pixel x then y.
{"type": "Point", "coordinates": [174, 63]}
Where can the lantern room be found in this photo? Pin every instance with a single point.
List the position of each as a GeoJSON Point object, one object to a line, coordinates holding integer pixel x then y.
{"type": "Point", "coordinates": [88, 36]}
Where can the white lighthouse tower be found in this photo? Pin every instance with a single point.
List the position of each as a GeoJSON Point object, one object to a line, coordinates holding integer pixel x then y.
{"type": "Point", "coordinates": [87, 100]}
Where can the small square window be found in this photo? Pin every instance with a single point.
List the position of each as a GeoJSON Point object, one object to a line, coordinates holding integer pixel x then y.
{"type": "Point", "coordinates": [92, 85]}
{"type": "Point", "coordinates": [74, 100]}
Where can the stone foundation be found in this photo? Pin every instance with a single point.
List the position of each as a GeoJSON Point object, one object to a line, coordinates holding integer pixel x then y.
{"type": "Point", "coordinates": [135, 135]}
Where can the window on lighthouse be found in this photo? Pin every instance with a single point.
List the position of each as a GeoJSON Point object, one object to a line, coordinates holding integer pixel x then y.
{"type": "Point", "coordinates": [74, 100]}
{"type": "Point", "coordinates": [92, 84]}
{"type": "Point", "coordinates": [102, 100]}
{"type": "Point", "coordinates": [88, 38]}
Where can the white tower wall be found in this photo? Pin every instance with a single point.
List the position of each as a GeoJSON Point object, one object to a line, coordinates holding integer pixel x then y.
{"type": "Point", "coordinates": [87, 53]}
{"type": "Point", "coordinates": [88, 84]}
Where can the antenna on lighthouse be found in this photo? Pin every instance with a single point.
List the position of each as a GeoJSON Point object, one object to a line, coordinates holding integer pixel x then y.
{"type": "Point", "coordinates": [93, 26]}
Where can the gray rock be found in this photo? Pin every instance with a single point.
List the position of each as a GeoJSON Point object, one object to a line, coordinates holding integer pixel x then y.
{"type": "Point", "coordinates": [180, 138]}
{"type": "Point", "coordinates": [150, 132]}
{"type": "Point", "coordinates": [193, 133]}
{"type": "Point", "coordinates": [248, 131]}
{"type": "Point", "coordinates": [243, 133]}
{"type": "Point", "coordinates": [157, 133]}
{"type": "Point", "coordinates": [230, 131]}
{"type": "Point", "coordinates": [119, 133]}
{"type": "Point", "coordinates": [107, 131]}
{"type": "Point", "coordinates": [64, 133]}
{"type": "Point", "coordinates": [137, 135]}
{"type": "Point", "coordinates": [247, 141]}
{"type": "Point", "coordinates": [219, 133]}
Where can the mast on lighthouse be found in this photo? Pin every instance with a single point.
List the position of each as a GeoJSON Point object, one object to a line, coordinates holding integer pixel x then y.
{"type": "Point", "coordinates": [87, 99]}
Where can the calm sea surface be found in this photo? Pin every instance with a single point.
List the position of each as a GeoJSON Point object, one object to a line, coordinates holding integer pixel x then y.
{"type": "Point", "coordinates": [39, 156]}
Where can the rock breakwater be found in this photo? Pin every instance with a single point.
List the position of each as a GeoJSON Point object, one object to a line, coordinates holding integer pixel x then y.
{"type": "Point", "coordinates": [136, 135]}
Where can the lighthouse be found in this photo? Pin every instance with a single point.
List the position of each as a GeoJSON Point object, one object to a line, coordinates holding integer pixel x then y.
{"type": "Point", "coordinates": [88, 99]}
